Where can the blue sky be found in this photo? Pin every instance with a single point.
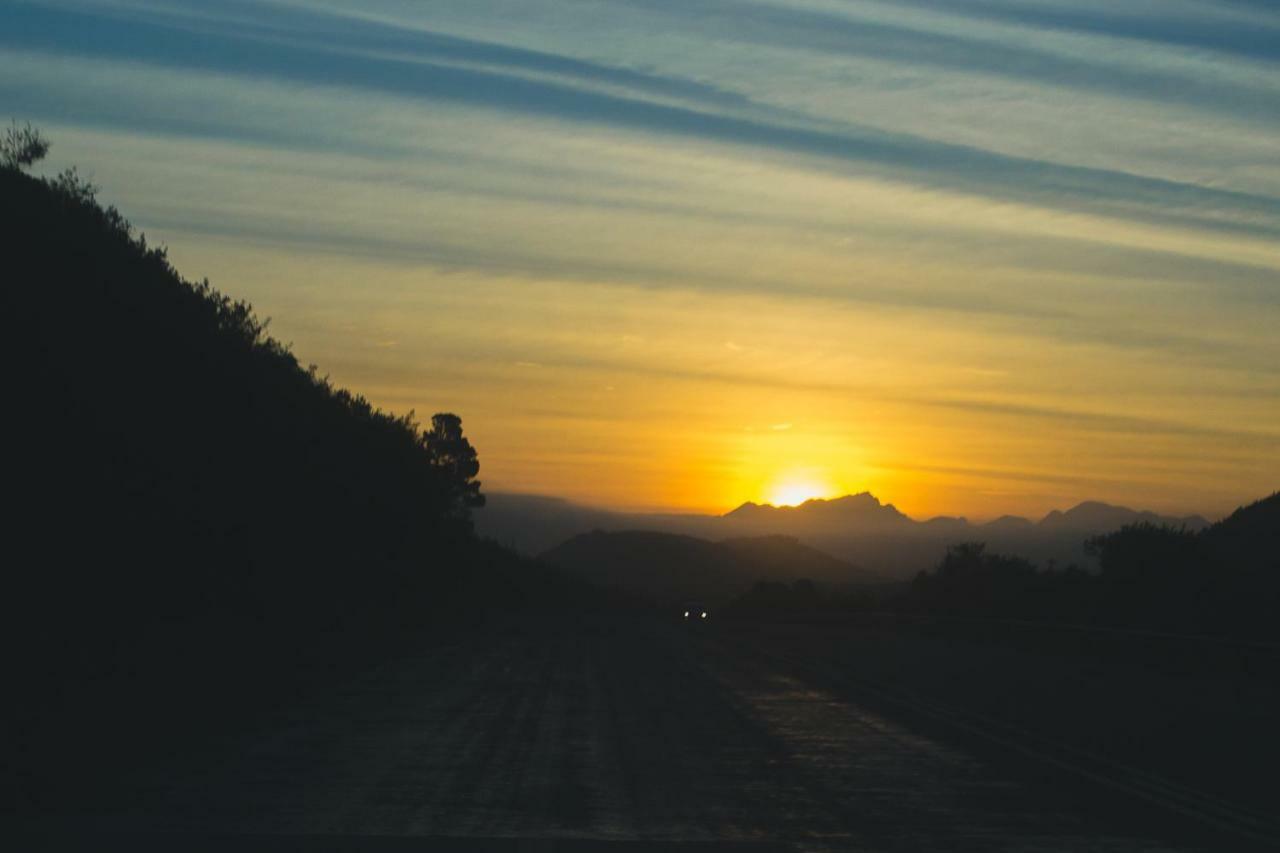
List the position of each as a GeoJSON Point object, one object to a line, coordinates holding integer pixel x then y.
{"type": "Point", "coordinates": [977, 255]}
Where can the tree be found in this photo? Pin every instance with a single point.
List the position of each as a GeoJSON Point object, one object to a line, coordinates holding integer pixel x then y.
{"type": "Point", "coordinates": [1145, 553]}
{"type": "Point", "coordinates": [966, 559]}
{"type": "Point", "coordinates": [455, 458]}
{"type": "Point", "coordinates": [81, 190]}
{"type": "Point", "coordinates": [22, 146]}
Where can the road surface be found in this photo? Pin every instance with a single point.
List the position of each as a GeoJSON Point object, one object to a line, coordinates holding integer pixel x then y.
{"type": "Point", "coordinates": [608, 735]}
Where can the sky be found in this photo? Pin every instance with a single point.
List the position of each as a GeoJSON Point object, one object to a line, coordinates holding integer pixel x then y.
{"type": "Point", "coordinates": [974, 256]}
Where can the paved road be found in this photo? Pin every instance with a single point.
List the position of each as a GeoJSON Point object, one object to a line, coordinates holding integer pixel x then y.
{"type": "Point", "coordinates": [606, 735]}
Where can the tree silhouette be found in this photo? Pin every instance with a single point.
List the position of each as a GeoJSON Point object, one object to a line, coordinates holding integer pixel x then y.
{"type": "Point", "coordinates": [452, 454]}
{"type": "Point", "coordinates": [1145, 554]}
{"type": "Point", "coordinates": [1222, 580]}
{"type": "Point", "coordinates": [22, 146]}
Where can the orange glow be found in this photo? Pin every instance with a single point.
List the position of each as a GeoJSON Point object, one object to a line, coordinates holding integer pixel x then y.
{"type": "Point", "coordinates": [698, 398]}
{"type": "Point", "coordinates": [794, 494]}
{"type": "Point", "coordinates": [793, 490]}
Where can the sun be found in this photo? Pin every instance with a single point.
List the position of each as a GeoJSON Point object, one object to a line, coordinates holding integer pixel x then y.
{"type": "Point", "coordinates": [796, 492]}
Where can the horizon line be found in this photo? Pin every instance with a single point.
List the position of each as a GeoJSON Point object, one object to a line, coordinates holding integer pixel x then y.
{"type": "Point", "coordinates": [977, 520]}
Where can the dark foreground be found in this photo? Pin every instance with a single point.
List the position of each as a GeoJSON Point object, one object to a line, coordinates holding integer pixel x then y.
{"type": "Point", "coordinates": [643, 736]}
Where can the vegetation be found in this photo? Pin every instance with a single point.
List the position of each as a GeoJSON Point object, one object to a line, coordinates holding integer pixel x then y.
{"type": "Point", "coordinates": [194, 510]}
{"type": "Point", "coordinates": [971, 580]}
{"type": "Point", "coordinates": [1222, 580]}
{"type": "Point", "coordinates": [21, 146]}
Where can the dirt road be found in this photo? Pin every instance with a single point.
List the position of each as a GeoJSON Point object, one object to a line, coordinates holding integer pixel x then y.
{"type": "Point", "coordinates": [611, 734]}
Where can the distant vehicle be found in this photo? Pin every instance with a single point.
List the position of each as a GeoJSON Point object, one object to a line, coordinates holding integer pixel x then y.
{"type": "Point", "coordinates": [695, 613]}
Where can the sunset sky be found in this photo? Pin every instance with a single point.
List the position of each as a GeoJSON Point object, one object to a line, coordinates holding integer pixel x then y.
{"type": "Point", "coordinates": [975, 256]}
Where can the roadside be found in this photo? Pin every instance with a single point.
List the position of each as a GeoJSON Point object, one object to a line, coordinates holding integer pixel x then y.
{"type": "Point", "coordinates": [1154, 729]}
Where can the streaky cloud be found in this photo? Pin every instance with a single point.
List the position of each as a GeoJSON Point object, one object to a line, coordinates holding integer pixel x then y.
{"type": "Point", "coordinates": [290, 24]}
{"type": "Point", "coordinates": [812, 30]}
{"type": "Point", "coordinates": [1101, 422]}
{"type": "Point", "coordinates": [1009, 312]}
{"type": "Point", "coordinates": [1203, 31]}
{"type": "Point", "coordinates": [908, 158]}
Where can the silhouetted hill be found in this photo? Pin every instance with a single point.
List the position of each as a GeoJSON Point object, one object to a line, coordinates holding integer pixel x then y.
{"type": "Point", "coordinates": [1249, 538]}
{"type": "Point", "coordinates": [1259, 521]}
{"type": "Point", "coordinates": [785, 556]}
{"type": "Point", "coordinates": [196, 520]}
{"type": "Point", "coordinates": [1221, 580]}
{"type": "Point", "coordinates": [1007, 525]}
{"type": "Point", "coordinates": [1096, 516]}
{"type": "Point", "coordinates": [176, 458]}
{"type": "Point", "coordinates": [670, 567]}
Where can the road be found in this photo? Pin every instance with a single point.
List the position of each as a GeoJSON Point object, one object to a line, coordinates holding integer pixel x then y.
{"type": "Point", "coordinates": [605, 734]}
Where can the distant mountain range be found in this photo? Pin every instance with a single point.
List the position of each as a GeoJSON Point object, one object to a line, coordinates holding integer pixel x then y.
{"type": "Point", "coordinates": [861, 529]}
{"type": "Point", "coordinates": [857, 529]}
{"type": "Point", "coordinates": [864, 511]}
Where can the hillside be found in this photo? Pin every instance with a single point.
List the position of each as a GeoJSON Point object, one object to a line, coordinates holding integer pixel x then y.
{"type": "Point", "coordinates": [1249, 540]}
{"type": "Point", "coordinates": [190, 451]}
{"type": "Point", "coordinates": [203, 522]}
{"type": "Point", "coordinates": [785, 556]}
{"type": "Point", "coordinates": [1221, 580]}
{"type": "Point", "coordinates": [670, 567]}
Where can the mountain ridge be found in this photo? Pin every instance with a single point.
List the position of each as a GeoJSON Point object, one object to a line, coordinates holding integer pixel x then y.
{"type": "Point", "coordinates": [857, 528]}
{"type": "Point", "coordinates": [1086, 513]}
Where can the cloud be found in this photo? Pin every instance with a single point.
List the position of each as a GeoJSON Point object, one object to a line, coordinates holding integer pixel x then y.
{"type": "Point", "coordinates": [899, 156]}
{"type": "Point", "coordinates": [1110, 423]}
{"type": "Point", "coordinates": [1202, 28]}
{"type": "Point", "coordinates": [938, 44]}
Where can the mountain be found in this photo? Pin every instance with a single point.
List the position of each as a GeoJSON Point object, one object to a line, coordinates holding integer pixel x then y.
{"type": "Point", "coordinates": [1095, 516]}
{"type": "Point", "coordinates": [865, 513]}
{"type": "Point", "coordinates": [858, 529]}
{"type": "Point", "coordinates": [862, 511]}
{"type": "Point", "coordinates": [670, 567]}
{"type": "Point", "coordinates": [863, 530]}
{"type": "Point", "coordinates": [1007, 525]}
